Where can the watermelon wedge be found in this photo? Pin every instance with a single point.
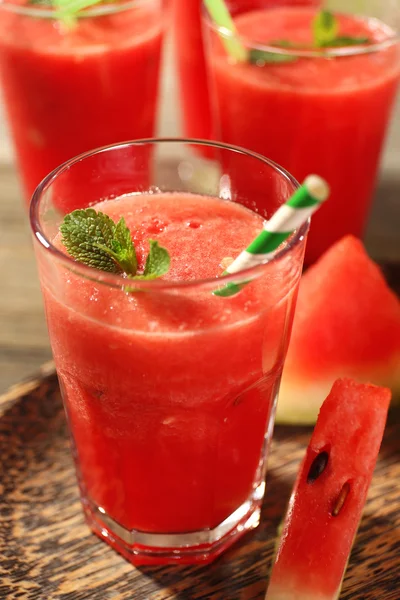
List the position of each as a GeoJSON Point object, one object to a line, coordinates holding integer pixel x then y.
{"type": "Point", "coordinates": [329, 494]}
{"type": "Point", "coordinates": [347, 324]}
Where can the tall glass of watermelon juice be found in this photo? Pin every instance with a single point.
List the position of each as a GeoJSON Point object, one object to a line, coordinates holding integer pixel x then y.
{"type": "Point", "coordinates": [69, 89]}
{"type": "Point", "coordinates": [311, 110]}
{"type": "Point", "coordinates": [170, 390]}
{"type": "Point", "coordinates": [190, 60]}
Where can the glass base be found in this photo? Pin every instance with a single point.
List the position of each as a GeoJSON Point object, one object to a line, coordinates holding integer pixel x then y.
{"type": "Point", "coordinates": [196, 547]}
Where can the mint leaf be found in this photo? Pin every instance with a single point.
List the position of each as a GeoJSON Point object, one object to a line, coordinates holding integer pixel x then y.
{"type": "Point", "coordinates": [325, 28]}
{"type": "Point", "coordinates": [87, 235]}
{"type": "Point", "coordinates": [93, 239]}
{"type": "Point", "coordinates": [344, 40]}
{"type": "Point", "coordinates": [157, 262]}
{"type": "Point", "coordinates": [261, 57]}
{"type": "Point", "coordinates": [123, 248]}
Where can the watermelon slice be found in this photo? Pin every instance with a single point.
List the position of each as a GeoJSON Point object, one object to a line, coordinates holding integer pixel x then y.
{"type": "Point", "coordinates": [347, 324]}
{"type": "Point", "coordinates": [330, 493]}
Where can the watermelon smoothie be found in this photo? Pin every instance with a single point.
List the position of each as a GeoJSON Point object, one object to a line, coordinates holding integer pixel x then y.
{"type": "Point", "coordinates": [169, 390]}
{"type": "Point", "coordinates": [322, 112]}
{"type": "Point", "coordinates": [191, 65]}
{"type": "Point", "coordinates": [68, 90]}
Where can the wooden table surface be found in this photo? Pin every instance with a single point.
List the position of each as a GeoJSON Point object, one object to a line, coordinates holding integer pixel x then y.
{"type": "Point", "coordinates": [23, 338]}
{"type": "Point", "coordinates": [24, 343]}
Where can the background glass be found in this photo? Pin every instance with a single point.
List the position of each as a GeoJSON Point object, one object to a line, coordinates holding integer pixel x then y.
{"type": "Point", "coordinates": [170, 392]}
{"type": "Point", "coordinates": [324, 112]}
{"type": "Point", "coordinates": [70, 89]}
{"type": "Point", "coordinates": [190, 61]}
{"type": "Point", "coordinates": [191, 69]}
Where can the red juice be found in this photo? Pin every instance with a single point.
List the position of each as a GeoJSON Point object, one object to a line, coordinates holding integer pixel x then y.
{"type": "Point", "coordinates": [327, 116]}
{"type": "Point", "coordinates": [70, 90]}
{"type": "Point", "coordinates": [193, 81]}
{"type": "Point", "coordinates": [169, 395]}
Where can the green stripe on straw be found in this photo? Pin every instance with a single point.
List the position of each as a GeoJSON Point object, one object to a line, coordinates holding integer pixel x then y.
{"type": "Point", "coordinates": [222, 18]}
{"type": "Point", "coordinates": [289, 217]}
{"type": "Point", "coordinates": [266, 242]}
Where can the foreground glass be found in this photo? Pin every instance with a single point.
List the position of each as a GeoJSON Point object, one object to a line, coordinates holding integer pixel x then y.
{"type": "Point", "coordinates": [69, 89]}
{"type": "Point", "coordinates": [170, 391]}
{"type": "Point", "coordinates": [322, 111]}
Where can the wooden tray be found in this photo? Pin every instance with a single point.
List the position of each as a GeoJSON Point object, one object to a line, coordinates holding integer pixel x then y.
{"type": "Point", "coordinates": [48, 553]}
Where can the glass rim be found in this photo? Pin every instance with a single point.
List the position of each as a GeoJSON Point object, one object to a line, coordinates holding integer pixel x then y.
{"type": "Point", "coordinates": [118, 281]}
{"type": "Point", "coordinates": [344, 51]}
{"type": "Point", "coordinates": [39, 12]}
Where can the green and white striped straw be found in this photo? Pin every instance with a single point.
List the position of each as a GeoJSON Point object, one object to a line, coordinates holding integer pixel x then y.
{"type": "Point", "coordinates": [289, 217]}
{"type": "Point", "coordinates": [221, 16]}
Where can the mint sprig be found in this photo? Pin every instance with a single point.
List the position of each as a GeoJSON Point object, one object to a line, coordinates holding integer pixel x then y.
{"type": "Point", "coordinates": [95, 240]}
{"type": "Point", "coordinates": [325, 28]}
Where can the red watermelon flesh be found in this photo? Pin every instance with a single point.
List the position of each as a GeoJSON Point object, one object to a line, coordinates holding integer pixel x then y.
{"type": "Point", "coordinates": [329, 494]}
{"type": "Point", "coordinates": [347, 324]}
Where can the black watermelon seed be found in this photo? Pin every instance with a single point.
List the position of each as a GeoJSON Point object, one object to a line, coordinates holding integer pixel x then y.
{"type": "Point", "coordinates": [318, 466]}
